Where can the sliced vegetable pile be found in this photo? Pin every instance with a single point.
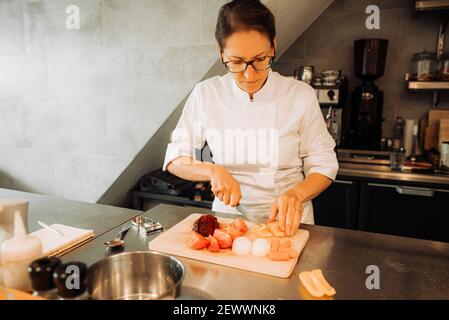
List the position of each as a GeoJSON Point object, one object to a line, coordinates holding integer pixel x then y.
{"type": "Point", "coordinates": [208, 232]}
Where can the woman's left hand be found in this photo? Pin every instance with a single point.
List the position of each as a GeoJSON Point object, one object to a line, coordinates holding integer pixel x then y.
{"type": "Point", "coordinates": [288, 209]}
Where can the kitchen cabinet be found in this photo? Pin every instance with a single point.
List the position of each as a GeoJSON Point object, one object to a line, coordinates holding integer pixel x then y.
{"type": "Point", "coordinates": [397, 209]}
{"type": "Point", "coordinates": [400, 208]}
{"type": "Point", "coordinates": [337, 206]}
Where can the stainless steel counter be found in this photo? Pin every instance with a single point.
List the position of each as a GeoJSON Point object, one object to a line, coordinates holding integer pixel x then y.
{"type": "Point", "coordinates": [99, 218]}
{"type": "Point", "coordinates": [409, 268]}
{"type": "Point", "coordinates": [377, 172]}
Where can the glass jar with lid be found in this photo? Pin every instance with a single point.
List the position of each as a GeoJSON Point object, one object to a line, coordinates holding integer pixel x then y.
{"type": "Point", "coordinates": [424, 66]}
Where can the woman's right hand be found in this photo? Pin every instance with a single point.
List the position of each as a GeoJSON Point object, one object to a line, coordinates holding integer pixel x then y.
{"type": "Point", "coordinates": [224, 186]}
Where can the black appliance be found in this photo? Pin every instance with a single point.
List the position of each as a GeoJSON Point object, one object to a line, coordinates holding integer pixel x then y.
{"type": "Point", "coordinates": [167, 188]}
{"type": "Point", "coordinates": [163, 182]}
{"type": "Point", "coordinates": [367, 100]}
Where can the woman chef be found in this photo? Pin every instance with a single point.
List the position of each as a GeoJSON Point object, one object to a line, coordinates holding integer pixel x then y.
{"type": "Point", "coordinates": [271, 149]}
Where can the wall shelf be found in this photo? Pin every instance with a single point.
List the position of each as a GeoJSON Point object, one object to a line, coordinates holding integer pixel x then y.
{"type": "Point", "coordinates": [428, 85]}
{"type": "Point", "coordinates": [436, 87]}
{"type": "Point", "coordinates": [421, 5]}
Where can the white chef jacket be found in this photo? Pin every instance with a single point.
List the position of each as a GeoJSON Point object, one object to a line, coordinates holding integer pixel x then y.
{"type": "Point", "coordinates": [269, 144]}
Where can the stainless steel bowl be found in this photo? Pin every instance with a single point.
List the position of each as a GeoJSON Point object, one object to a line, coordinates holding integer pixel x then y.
{"type": "Point", "coordinates": [140, 275]}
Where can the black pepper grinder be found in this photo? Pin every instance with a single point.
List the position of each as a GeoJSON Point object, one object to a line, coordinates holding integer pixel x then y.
{"type": "Point", "coordinates": [71, 281]}
{"type": "Point", "coordinates": [41, 275]}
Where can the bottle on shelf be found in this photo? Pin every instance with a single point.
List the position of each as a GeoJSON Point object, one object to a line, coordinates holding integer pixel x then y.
{"type": "Point", "coordinates": [398, 133]}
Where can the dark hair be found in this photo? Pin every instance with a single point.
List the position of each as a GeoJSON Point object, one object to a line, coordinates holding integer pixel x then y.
{"type": "Point", "coordinates": [244, 15]}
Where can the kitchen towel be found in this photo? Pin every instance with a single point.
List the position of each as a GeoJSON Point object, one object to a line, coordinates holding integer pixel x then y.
{"type": "Point", "coordinates": [55, 245]}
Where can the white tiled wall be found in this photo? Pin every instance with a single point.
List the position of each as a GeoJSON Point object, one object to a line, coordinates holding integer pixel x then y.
{"type": "Point", "coordinates": [78, 108]}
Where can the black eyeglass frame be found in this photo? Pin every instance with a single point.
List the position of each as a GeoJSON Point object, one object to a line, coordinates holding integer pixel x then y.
{"type": "Point", "coordinates": [250, 62]}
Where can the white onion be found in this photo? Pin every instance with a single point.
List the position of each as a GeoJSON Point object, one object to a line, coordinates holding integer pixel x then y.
{"type": "Point", "coordinates": [241, 246]}
{"type": "Point", "coordinates": [261, 247]}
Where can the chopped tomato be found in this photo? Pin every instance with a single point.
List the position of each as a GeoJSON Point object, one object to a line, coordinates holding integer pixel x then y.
{"type": "Point", "coordinates": [197, 241]}
{"type": "Point", "coordinates": [240, 225]}
{"type": "Point", "coordinates": [224, 239]}
{"type": "Point", "coordinates": [213, 244]}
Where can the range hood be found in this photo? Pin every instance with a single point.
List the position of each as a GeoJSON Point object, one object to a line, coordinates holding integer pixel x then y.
{"type": "Point", "coordinates": [422, 5]}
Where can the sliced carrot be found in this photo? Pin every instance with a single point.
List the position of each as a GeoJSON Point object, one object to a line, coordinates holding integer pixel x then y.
{"type": "Point", "coordinates": [275, 244]}
{"type": "Point", "coordinates": [278, 234]}
{"type": "Point", "coordinates": [285, 243]}
{"type": "Point", "coordinates": [293, 253]}
{"type": "Point", "coordinates": [278, 256]}
{"type": "Point", "coordinates": [263, 233]}
{"type": "Point", "coordinates": [276, 229]}
{"type": "Point", "coordinates": [260, 226]}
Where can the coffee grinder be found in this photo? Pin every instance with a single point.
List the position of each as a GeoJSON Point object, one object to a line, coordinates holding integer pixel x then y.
{"type": "Point", "coordinates": [367, 100]}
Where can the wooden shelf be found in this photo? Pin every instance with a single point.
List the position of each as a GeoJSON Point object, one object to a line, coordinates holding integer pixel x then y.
{"type": "Point", "coordinates": [428, 85]}
{"type": "Point", "coordinates": [421, 5]}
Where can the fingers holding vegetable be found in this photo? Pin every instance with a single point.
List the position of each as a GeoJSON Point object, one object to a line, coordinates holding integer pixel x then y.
{"type": "Point", "coordinates": [287, 209]}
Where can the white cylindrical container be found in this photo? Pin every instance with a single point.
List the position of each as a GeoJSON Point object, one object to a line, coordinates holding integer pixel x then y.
{"type": "Point", "coordinates": [408, 136]}
{"type": "Point", "coordinates": [17, 253]}
{"type": "Point", "coordinates": [7, 209]}
{"type": "Point", "coordinates": [444, 156]}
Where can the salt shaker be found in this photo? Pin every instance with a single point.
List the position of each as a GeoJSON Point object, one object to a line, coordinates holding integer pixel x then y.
{"type": "Point", "coordinates": [71, 281]}
{"type": "Point", "coordinates": [41, 274]}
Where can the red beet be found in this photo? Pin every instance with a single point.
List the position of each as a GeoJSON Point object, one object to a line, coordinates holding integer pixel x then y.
{"type": "Point", "coordinates": [206, 225]}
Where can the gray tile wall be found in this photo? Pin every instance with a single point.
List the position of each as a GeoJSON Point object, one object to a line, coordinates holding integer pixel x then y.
{"type": "Point", "coordinates": [83, 111]}
{"type": "Point", "coordinates": [76, 106]}
{"type": "Point", "coordinates": [328, 43]}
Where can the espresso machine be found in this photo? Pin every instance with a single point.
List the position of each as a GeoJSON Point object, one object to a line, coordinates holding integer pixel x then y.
{"type": "Point", "coordinates": [331, 90]}
{"type": "Point", "coordinates": [367, 100]}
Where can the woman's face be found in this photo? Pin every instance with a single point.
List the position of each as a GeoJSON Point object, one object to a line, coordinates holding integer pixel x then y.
{"type": "Point", "coordinates": [248, 45]}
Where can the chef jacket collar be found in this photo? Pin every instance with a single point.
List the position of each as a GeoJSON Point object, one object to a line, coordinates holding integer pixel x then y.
{"type": "Point", "coordinates": [264, 94]}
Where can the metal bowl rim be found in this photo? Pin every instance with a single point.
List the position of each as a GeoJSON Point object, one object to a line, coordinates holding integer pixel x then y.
{"type": "Point", "coordinates": [153, 252]}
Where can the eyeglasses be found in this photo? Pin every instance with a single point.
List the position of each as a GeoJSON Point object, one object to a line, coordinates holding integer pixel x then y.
{"type": "Point", "coordinates": [259, 64]}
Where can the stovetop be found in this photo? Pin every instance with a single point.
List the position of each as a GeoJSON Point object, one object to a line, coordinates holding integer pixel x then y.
{"type": "Point", "coordinates": [372, 157]}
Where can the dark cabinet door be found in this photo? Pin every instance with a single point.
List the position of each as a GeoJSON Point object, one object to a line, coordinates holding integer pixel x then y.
{"type": "Point", "coordinates": [337, 205]}
{"type": "Point", "coordinates": [405, 211]}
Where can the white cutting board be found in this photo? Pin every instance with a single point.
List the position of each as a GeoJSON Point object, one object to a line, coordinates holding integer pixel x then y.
{"type": "Point", "coordinates": [175, 242]}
